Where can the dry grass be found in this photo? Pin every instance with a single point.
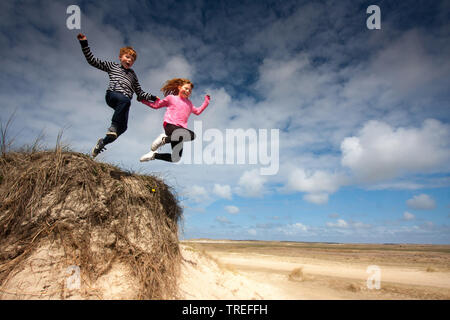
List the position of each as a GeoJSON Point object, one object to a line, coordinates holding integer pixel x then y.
{"type": "Point", "coordinates": [98, 213]}
{"type": "Point", "coordinates": [296, 275]}
{"type": "Point", "coordinates": [353, 287]}
{"type": "Point", "coordinates": [222, 266]}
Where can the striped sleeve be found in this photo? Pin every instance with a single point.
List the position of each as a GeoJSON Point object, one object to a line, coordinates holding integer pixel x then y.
{"type": "Point", "coordinates": [141, 95]}
{"type": "Point", "coordinates": [93, 61]}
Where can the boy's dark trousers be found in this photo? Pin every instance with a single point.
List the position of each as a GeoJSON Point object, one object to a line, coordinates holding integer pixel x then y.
{"type": "Point", "coordinates": [121, 105]}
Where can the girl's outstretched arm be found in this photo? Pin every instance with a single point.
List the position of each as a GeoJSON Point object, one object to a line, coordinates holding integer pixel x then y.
{"type": "Point", "coordinates": [200, 109]}
{"type": "Point", "coordinates": [157, 104]}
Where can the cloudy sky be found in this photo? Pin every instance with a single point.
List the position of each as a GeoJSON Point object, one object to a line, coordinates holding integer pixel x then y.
{"type": "Point", "coordinates": [354, 122]}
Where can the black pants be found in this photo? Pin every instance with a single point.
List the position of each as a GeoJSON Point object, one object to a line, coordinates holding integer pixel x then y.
{"type": "Point", "coordinates": [121, 105]}
{"type": "Point", "coordinates": [176, 136]}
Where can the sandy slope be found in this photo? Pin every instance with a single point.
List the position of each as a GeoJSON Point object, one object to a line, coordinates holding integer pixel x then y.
{"type": "Point", "coordinates": [236, 275]}
{"type": "Point", "coordinates": [203, 277]}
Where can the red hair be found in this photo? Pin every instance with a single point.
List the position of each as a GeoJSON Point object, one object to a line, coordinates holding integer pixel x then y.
{"type": "Point", "coordinates": [171, 86]}
{"type": "Point", "coordinates": [128, 50]}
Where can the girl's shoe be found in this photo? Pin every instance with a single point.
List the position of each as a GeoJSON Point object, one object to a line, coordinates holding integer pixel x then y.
{"type": "Point", "coordinates": [158, 142]}
{"type": "Point", "coordinates": [148, 156]}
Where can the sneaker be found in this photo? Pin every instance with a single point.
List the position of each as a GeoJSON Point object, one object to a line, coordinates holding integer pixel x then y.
{"type": "Point", "coordinates": [158, 142]}
{"type": "Point", "coordinates": [148, 156]}
{"type": "Point", "coordinates": [112, 132]}
{"type": "Point", "coordinates": [99, 147]}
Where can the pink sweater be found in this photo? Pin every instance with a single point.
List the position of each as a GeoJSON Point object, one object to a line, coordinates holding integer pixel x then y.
{"type": "Point", "coordinates": [178, 109]}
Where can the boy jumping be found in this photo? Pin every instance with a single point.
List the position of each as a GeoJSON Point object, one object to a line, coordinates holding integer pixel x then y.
{"type": "Point", "coordinates": [122, 83]}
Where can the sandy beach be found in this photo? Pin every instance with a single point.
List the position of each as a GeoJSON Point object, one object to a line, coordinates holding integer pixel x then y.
{"type": "Point", "coordinates": [220, 269]}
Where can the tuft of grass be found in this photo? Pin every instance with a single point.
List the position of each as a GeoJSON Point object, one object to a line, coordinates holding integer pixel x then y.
{"type": "Point", "coordinates": [5, 141]}
{"type": "Point", "coordinates": [222, 266]}
{"type": "Point", "coordinates": [431, 269]}
{"type": "Point", "coordinates": [296, 275]}
{"type": "Point", "coordinates": [353, 287]}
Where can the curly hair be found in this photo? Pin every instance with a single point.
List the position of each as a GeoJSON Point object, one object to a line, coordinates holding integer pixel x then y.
{"type": "Point", "coordinates": [128, 50]}
{"type": "Point", "coordinates": [171, 86]}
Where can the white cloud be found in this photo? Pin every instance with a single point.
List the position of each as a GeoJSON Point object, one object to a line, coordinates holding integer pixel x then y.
{"type": "Point", "coordinates": [300, 226]}
{"type": "Point", "coordinates": [317, 198]}
{"type": "Point", "coordinates": [404, 67]}
{"type": "Point", "coordinates": [293, 229]}
{"type": "Point", "coordinates": [317, 184]}
{"type": "Point", "coordinates": [223, 219]}
{"type": "Point", "coordinates": [339, 224]}
{"type": "Point", "coordinates": [174, 67]}
{"type": "Point", "coordinates": [342, 224]}
{"type": "Point", "coordinates": [314, 181]}
{"type": "Point", "coordinates": [397, 185]}
{"type": "Point", "coordinates": [197, 193]}
{"type": "Point", "coordinates": [421, 202]}
{"type": "Point", "coordinates": [408, 216]}
{"type": "Point", "coordinates": [251, 184]}
{"type": "Point", "coordinates": [359, 225]}
{"type": "Point", "coordinates": [223, 191]}
{"type": "Point", "coordinates": [381, 152]}
{"type": "Point", "coordinates": [232, 209]}
{"type": "Point", "coordinates": [252, 232]}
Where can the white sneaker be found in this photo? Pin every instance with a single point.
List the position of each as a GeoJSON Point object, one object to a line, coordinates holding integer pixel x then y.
{"type": "Point", "coordinates": [158, 142]}
{"type": "Point", "coordinates": [148, 156]}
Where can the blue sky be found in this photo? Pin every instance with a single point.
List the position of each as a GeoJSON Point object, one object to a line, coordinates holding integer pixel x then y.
{"type": "Point", "coordinates": [363, 115]}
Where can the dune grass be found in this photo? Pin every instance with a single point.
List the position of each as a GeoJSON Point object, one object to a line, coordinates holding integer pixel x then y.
{"type": "Point", "coordinates": [67, 197]}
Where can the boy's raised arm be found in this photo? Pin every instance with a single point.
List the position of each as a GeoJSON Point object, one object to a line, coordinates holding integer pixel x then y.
{"type": "Point", "coordinates": [97, 63]}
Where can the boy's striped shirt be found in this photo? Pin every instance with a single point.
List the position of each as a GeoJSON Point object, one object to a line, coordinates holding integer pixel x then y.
{"type": "Point", "coordinates": [120, 79]}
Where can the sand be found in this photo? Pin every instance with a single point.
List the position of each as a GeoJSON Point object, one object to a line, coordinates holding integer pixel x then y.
{"type": "Point", "coordinates": [255, 270]}
{"type": "Point", "coordinates": [290, 271]}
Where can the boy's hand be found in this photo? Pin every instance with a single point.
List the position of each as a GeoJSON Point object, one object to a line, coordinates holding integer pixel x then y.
{"type": "Point", "coordinates": [81, 37]}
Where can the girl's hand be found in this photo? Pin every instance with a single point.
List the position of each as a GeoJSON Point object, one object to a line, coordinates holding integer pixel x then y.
{"type": "Point", "coordinates": [81, 37]}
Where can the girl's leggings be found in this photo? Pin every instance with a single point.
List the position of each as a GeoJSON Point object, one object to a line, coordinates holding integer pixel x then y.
{"type": "Point", "coordinates": [176, 136]}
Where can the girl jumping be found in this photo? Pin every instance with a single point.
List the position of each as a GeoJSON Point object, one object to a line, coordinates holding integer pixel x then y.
{"type": "Point", "coordinates": [176, 92]}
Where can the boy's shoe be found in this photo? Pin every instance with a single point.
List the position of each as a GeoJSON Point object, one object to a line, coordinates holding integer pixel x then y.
{"type": "Point", "coordinates": [148, 156]}
{"type": "Point", "coordinates": [99, 147]}
{"type": "Point", "coordinates": [158, 142]}
{"type": "Point", "coordinates": [112, 132]}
